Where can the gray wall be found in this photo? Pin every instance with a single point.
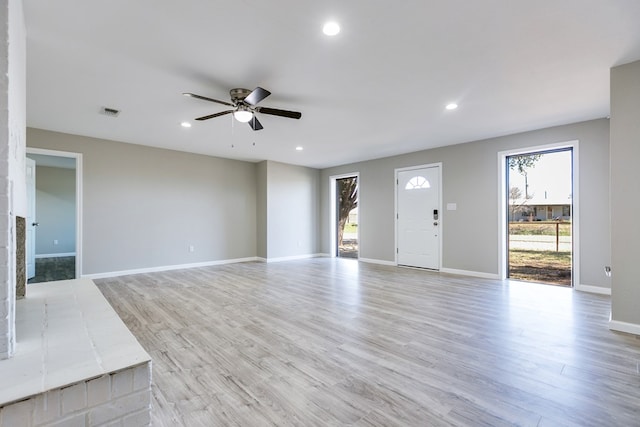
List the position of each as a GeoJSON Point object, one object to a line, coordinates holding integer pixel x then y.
{"type": "Point", "coordinates": [143, 207]}
{"type": "Point", "coordinates": [292, 208]}
{"type": "Point", "coordinates": [470, 179]}
{"type": "Point", "coordinates": [55, 210]}
{"type": "Point", "coordinates": [625, 205]}
{"type": "Point", "coordinates": [261, 208]}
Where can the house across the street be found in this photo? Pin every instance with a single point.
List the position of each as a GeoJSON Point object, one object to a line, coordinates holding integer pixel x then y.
{"type": "Point", "coordinates": [540, 209]}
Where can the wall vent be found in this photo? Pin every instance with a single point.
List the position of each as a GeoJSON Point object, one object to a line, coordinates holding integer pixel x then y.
{"type": "Point", "coordinates": [112, 112]}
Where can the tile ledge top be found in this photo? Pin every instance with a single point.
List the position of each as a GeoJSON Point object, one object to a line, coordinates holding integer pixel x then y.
{"type": "Point", "coordinates": [66, 333]}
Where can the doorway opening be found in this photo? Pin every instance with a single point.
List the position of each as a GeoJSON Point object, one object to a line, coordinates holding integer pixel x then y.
{"type": "Point", "coordinates": [540, 208]}
{"type": "Point", "coordinates": [54, 219]}
{"type": "Point", "coordinates": [346, 218]}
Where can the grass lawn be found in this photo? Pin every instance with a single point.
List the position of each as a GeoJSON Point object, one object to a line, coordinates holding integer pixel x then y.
{"type": "Point", "coordinates": [540, 266]}
{"type": "Point", "coordinates": [540, 228]}
{"type": "Point", "coordinates": [351, 228]}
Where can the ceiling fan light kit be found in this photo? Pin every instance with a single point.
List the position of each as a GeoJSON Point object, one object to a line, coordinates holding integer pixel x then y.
{"type": "Point", "coordinates": [244, 103]}
{"type": "Point", "coordinates": [243, 116]}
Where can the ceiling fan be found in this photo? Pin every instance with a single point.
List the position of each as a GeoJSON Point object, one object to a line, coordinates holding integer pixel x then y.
{"type": "Point", "coordinates": [244, 103]}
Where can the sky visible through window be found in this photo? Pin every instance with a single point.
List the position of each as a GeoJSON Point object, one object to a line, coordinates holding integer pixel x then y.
{"type": "Point", "coordinates": [551, 176]}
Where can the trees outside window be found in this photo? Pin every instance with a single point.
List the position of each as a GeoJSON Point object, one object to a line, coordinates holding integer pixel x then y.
{"type": "Point", "coordinates": [347, 190]}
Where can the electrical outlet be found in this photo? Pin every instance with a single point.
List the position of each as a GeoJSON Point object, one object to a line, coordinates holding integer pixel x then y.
{"type": "Point", "coordinates": [191, 248]}
{"type": "Point", "coordinates": [55, 242]}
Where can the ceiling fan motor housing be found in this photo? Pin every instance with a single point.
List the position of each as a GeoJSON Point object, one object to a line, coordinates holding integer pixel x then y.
{"type": "Point", "coordinates": [238, 94]}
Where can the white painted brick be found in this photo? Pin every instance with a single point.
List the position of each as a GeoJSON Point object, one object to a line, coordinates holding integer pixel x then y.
{"type": "Point", "coordinates": [47, 407]}
{"type": "Point", "coordinates": [4, 254]}
{"type": "Point", "coordinates": [142, 377]}
{"type": "Point", "coordinates": [4, 272]}
{"type": "Point", "coordinates": [99, 390]}
{"type": "Point", "coordinates": [76, 420]}
{"type": "Point", "coordinates": [74, 398]}
{"type": "Point", "coordinates": [5, 224]}
{"type": "Point", "coordinates": [139, 419]}
{"type": "Point", "coordinates": [17, 414]}
{"type": "Point", "coordinates": [118, 408]}
{"type": "Point", "coordinates": [115, 423]}
{"type": "Point", "coordinates": [122, 383]}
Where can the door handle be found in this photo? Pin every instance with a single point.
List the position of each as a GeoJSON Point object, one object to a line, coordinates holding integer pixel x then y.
{"type": "Point", "coordinates": [35, 224]}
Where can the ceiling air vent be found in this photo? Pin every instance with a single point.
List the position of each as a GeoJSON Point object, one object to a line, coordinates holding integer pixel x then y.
{"type": "Point", "coordinates": [111, 112]}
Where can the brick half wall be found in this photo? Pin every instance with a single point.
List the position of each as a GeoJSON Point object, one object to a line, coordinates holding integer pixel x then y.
{"type": "Point", "coordinates": [118, 398]}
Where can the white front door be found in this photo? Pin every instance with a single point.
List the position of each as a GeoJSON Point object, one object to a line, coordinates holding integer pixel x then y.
{"type": "Point", "coordinates": [418, 217]}
{"type": "Point", "coordinates": [31, 217]}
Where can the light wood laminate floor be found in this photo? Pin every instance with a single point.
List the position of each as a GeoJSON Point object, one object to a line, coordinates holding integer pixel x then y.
{"type": "Point", "coordinates": [331, 342]}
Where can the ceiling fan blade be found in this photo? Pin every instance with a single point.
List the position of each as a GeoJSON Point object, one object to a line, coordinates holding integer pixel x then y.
{"type": "Point", "coordinates": [255, 124]}
{"type": "Point", "coordinates": [256, 96]}
{"type": "Point", "coordinates": [211, 116]}
{"type": "Point", "coordinates": [281, 113]}
{"type": "Point", "coordinates": [193, 95]}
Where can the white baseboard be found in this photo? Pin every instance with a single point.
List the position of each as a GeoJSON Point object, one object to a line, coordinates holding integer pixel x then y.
{"type": "Point", "coordinates": [593, 289]}
{"type": "Point", "coordinates": [291, 258]}
{"type": "Point", "coordinates": [470, 273]}
{"type": "Point", "coordinates": [630, 328]}
{"type": "Point", "coordinates": [377, 261]}
{"type": "Point", "coordinates": [56, 255]}
{"type": "Point", "coordinates": [168, 268]}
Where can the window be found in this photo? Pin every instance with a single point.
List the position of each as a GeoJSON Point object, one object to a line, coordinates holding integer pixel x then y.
{"type": "Point", "coordinates": [417, 183]}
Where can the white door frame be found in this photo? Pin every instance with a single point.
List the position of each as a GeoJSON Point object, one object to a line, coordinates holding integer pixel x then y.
{"type": "Point", "coordinates": [441, 220]}
{"type": "Point", "coordinates": [31, 218]}
{"type": "Point", "coordinates": [333, 206]}
{"type": "Point", "coordinates": [78, 158]}
{"type": "Point", "coordinates": [575, 206]}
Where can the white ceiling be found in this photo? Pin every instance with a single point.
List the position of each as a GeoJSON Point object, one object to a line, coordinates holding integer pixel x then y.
{"type": "Point", "coordinates": [377, 89]}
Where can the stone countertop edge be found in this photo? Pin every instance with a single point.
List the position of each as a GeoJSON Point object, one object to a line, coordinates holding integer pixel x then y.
{"type": "Point", "coordinates": [66, 333]}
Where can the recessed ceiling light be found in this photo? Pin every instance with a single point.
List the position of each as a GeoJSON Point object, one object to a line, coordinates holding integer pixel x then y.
{"type": "Point", "coordinates": [451, 106]}
{"type": "Point", "coordinates": [331, 28]}
{"type": "Point", "coordinates": [298, 148]}
{"type": "Point", "coordinates": [185, 124]}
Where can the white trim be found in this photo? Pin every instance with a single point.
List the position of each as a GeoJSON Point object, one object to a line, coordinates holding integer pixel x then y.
{"type": "Point", "coordinates": [575, 205]}
{"type": "Point", "coordinates": [168, 268]}
{"type": "Point", "coordinates": [292, 258]}
{"type": "Point", "coordinates": [60, 255]}
{"type": "Point", "coordinates": [440, 198]}
{"type": "Point", "coordinates": [593, 289]}
{"type": "Point", "coordinates": [333, 244]}
{"type": "Point", "coordinates": [630, 328]}
{"type": "Point", "coordinates": [478, 274]}
{"type": "Point", "coordinates": [79, 187]}
{"type": "Point", "coordinates": [377, 261]}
